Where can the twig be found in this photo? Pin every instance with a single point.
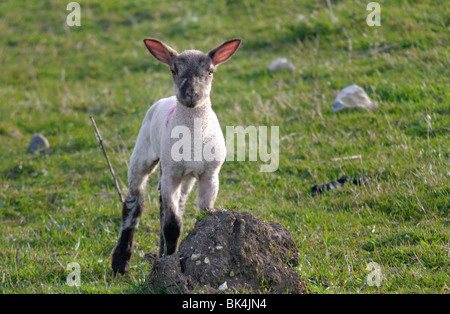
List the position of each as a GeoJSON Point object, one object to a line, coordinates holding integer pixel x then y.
{"type": "Point", "coordinates": [350, 46]}
{"type": "Point", "coordinates": [100, 141]}
{"type": "Point", "coordinates": [341, 158]}
{"type": "Point", "coordinates": [346, 158]}
{"type": "Point", "coordinates": [442, 128]}
{"type": "Point", "coordinates": [333, 19]}
{"type": "Point", "coordinates": [54, 221]}
{"type": "Point", "coordinates": [372, 52]}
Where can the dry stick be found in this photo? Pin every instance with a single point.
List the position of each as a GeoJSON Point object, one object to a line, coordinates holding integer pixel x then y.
{"type": "Point", "coordinates": [333, 19]}
{"type": "Point", "coordinates": [341, 158]}
{"type": "Point", "coordinates": [346, 158]}
{"type": "Point", "coordinates": [445, 128]}
{"type": "Point", "coordinates": [100, 141]}
{"type": "Point", "coordinates": [372, 52]}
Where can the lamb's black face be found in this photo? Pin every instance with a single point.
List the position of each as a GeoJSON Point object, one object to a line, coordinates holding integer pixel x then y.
{"type": "Point", "coordinates": [192, 73]}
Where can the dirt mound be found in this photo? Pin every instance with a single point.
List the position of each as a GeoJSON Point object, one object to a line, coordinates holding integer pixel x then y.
{"type": "Point", "coordinates": [227, 251]}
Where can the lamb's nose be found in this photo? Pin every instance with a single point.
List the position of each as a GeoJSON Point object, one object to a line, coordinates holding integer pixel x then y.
{"type": "Point", "coordinates": [190, 92]}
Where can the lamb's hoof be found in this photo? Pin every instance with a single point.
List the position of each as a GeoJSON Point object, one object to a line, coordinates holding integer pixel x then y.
{"type": "Point", "coordinates": [119, 261]}
{"type": "Point", "coordinates": [120, 268]}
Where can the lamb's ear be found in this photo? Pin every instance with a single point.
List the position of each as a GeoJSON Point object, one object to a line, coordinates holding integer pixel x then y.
{"type": "Point", "coordinates": [160, 50]}
{"type": "Point", "coordinates": [224, 51]}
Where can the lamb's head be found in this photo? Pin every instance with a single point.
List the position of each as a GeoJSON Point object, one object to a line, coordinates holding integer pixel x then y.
{"type": "Point", "coordinates": [192, 70]}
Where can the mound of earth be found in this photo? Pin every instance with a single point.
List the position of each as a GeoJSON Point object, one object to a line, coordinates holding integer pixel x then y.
{"type": "Point", "coordinates": [230, 251]}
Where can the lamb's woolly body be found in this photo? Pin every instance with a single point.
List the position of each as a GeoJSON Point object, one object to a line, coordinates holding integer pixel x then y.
{"type": "Point", "coordinates": [154, 141]}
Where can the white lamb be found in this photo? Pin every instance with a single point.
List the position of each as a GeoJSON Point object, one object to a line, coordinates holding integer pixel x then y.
{"type": "Point", "coordinates": [190, 109]}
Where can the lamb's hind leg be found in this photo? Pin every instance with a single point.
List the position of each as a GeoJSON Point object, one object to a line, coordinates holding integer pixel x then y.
{"type": "Point", "coordinates": [131, 214]}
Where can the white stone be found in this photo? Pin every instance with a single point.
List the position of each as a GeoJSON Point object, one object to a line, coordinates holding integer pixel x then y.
{"type": "Point", "coordinates": [281, 64]}
{"type": "Point", "coordinates": [223, 286]}
{"type": "Point", "coordinates": [352, 97]}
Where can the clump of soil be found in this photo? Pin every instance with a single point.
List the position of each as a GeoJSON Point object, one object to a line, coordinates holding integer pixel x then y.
{"type": "Point", "coordinates": [230, 251]}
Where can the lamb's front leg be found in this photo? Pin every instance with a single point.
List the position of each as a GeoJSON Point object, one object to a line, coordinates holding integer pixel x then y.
{"type": "Point", "coordinates": [171, 218]}
{"type": "Point", "coordinates": [208, 187]}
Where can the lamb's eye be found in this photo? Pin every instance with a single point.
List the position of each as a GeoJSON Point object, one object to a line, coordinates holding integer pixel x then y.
{"type": "Point", "coordinates": [210, 72]}
{"type": "Point", "coordinates": [173, 72]}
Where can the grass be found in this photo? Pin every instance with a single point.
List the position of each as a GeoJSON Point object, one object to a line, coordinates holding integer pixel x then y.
{"type": "Point", "coordinates": [60, 207]}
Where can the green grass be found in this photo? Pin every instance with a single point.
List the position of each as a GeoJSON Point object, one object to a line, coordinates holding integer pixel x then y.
{"type": "Point", "coordinates": [55, 207]}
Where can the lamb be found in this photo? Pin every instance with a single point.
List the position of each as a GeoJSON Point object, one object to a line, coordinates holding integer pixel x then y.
{"type": "Point", "coordinates": [190, 108]}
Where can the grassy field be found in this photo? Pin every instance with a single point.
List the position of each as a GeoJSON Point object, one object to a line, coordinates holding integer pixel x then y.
{"type": "Point", "coordinates": [60, 206]}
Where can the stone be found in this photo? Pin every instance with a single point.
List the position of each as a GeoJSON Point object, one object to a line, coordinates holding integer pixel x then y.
{"type": "Point", "coordinates": [281, 64]}
{"type": "Point", "coordinates": [195, 257]}
{"type": "Point", "coordinates": [257, 256]}
{"type": "Point", "coordinates": [38, 143]}
{"type": "Point", "coordinates": [223, 286]}
{"type": "Point", "coordinates": [352, 97]}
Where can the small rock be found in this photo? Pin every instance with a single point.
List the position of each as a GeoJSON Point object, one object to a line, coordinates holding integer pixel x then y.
{"type": "Point", "coordinates": [281, 64]}
{"type": "Point", "coordinates": [352, 97]}
{"type": "Point", "coordinates": [206, 261]}
{"type": "Point", "coordinates": [219, 247]}
{"type": "Point", "coordinates": [195, 257]}
{"type": "Point", "coordinates": [231, 273]}
{"type": "Point", "coordinates": [38, 143]}
{"type": "Point", "coordinates": [223, 286]}
{"type": "Point", "coordinates": [198, 263]}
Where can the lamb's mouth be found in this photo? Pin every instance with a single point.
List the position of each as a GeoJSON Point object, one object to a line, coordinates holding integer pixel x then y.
{"type": "Point", "coordinates": [190, 103]}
